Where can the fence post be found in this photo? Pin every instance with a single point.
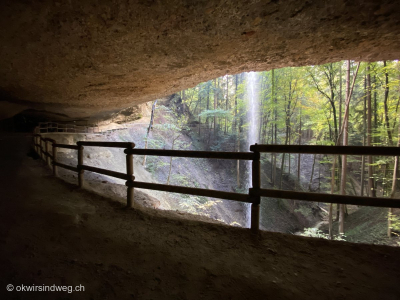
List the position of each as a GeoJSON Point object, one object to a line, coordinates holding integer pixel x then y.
{"type": "Point", "coordinates": [37, 145]}
{"type": "Point", "coordinates": [256, 184]}
{"type": "Point", "coordinates": [80, 163]}
{"type": "Point", "coordinates": [46, 147]}
{"type": "Point", "coordinates": [34, 143]}
{"type": "Point", "coordinates": [41, 148]}
{"type": "Point", "coordinates": [130, 192]}
{"type": "Point", "coordinates": [54, 159]}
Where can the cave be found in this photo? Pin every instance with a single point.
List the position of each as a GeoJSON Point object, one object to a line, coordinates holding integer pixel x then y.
{"type": "Point", "coordinates": [89, 62]}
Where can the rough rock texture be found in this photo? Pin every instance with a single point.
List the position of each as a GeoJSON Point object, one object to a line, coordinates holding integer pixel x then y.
{"type": "Point", "coordinates": [82, 58]}
{"type": "Point", "coordinates": [52, 233]}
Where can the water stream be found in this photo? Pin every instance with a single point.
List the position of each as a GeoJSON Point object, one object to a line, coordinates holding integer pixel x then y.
{"type": "Point", "coordinates": [252, 91]}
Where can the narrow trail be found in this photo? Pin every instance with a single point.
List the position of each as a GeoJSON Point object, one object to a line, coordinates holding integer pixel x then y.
{"type": "Point", "coordinates": [51, 232]}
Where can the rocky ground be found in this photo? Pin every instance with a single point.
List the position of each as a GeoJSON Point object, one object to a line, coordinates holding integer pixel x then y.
{"type": "Point", "coordinates": [51, 232]}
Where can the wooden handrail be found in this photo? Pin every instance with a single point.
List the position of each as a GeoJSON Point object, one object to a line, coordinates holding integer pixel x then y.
{"type": "Point", "coordinates": [48, 155]}
{"type": "Point", "coordinates": [328, 198]}
{"type": "Point", "coordinates": [107, 172]}
{"type": "Point", "coordinates": [192, 154]}
{"type": "Point", "coordinates": [191, 191]}
{"type": "Point", "coordinates": [73, 147]}
{"type": "Point", "coordinates": [68, 167]}
{"type": "Point", "coordinates": [334, 150]}
{"type": "Point", "coordinates": [108, 144]}
{"type": "Point", "coordinates": [255, 193]}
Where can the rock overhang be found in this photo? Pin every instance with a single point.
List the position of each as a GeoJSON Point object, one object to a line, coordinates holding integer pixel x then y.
{"type": "Point", "coordinates": [87, 59]}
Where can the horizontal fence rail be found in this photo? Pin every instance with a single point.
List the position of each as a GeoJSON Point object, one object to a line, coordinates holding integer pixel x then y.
{"type": "Point", "coordinates": [68, 167]}
{"type": "Point", "coordinates": [334, 150]}
{"type": "Point", "coordinates": [107, 144]}
{"type": "Point", "coordinates": [193, 154]}
{"type": "Point", "coordinates": [49, 155]}
{"type": "Point", "coordinates": [55, 127]}
{"type": "Point", "coordinates": [107, 172]}
{"type": "Point", "coordinates": [191, 191]}
{"type": "Point", "coordinates": [41, 145]}
{"type": "Point", "coordinates": [73, 147]}
{"type": "Point", "coordinates": [329, 198]}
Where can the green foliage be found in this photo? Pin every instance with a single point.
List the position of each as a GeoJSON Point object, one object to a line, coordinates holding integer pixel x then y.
{"type": "Point", "coordinates": [181, 180]}
{"type": "Point", "coordinates": [220, 113]}
{"type": "Point", "coordinates": [313, 94]}
{"type": "Point", "coordinates": [316, 233]}
{"type": "Point", "coordinates": [395, 222]}
{"type": "Point", "coordinates": [197, 205]}
{"type": "Point", "coordinates": [154, 163]}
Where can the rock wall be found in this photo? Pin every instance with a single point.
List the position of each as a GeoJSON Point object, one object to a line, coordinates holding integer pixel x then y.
{"type": "Point", "coordinates": [92, 58]}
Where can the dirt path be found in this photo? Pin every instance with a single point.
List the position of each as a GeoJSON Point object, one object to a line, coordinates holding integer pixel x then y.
{"type": "Point", "coordinates": [53, 233]}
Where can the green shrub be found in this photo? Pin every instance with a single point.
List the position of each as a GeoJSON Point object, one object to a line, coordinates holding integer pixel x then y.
{"type": "Point", "coordinates": [316, 233]}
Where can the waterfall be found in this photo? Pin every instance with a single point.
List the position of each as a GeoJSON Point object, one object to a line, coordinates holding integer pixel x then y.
{"type": "Point", "coordinates": [253, 112]}
{"type": "Point", "coordinates": [252, 91]}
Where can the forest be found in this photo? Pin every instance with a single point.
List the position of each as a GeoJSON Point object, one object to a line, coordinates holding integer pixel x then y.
{"type": "Point", "coordinates": [340, 103]}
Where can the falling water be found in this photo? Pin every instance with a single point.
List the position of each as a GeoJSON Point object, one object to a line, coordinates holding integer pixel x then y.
{"type": "Point", "coordinates": [252, 115]}
{"type": "Point", "coordinates": [252, 119]}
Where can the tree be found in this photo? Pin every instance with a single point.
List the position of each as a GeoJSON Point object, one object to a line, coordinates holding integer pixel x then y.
{"type": "Point", "coordinates": [344, 130]}
{"type": "Point", "coordinates": [371, 189]}
{"type": "Point", "coordinates": [153, 108]}
{"type": "Point", "coordinates": [172, 131]}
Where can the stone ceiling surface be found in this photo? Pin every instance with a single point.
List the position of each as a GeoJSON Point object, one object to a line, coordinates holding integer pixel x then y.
{"type": "Point", "coordinates": [87, 58]}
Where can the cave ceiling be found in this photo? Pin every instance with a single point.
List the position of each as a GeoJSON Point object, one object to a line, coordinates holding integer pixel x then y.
{"type": "Point", "coordinates": [85, 59]}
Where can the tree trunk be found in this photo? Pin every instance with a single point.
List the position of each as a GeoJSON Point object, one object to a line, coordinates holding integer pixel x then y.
{"type": "Point", "coordinates": [272, 155]}
{"type": "Point", "coordinates": [170, 162]}
{"type": "Point", "coordinates": [226, 100]}
{"type": "Point", "coordinates": [332, 192]}
{"type": "Point", "coordinates": [389, 132]}
{"type": "Point", "coordinates": [299, 156]}
{"type": "Point", "coordinates": [153, 108]}
{"type": "Point", "coordinates": [237, 133]}
{"type": "Point", "coordinates": [312, 174]}
{"type": "Point", "coordinates": [345, 143]}
{"type": "Point", "coordinates": [169, 172]}
{"type": "Point", "coordinates": [394, 186]}
{"type": "Point", "coordinates": [364, 138]}
{"type": "Point", "coordinates": [340, 100]}
{"type": "Point", "coordinates": [215, 106]}
{"type": "Point", "coordinates": [199, 117]}
{"type": "Point", "coordinates": [375, 110]}
{"type": "Point", "coordinates": [393, 191]}
{"type": "Point", "coordinates": [282, 170]}
{"type": "Point", "coordinates": [371, 188]}
{"type": "Point", "coordinates": [275, 123]}
{"type": "Point", "coordinates": [289, 160]}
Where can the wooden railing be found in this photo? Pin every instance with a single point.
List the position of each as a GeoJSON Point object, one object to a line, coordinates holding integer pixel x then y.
{"type": "Point", "coordinates": [54, 127]}
{"type": "Point", "coordinates": [255, 193]}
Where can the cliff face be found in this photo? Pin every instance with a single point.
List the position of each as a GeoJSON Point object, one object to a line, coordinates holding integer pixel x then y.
{"type": "Point", "coordinates": [91, 58]}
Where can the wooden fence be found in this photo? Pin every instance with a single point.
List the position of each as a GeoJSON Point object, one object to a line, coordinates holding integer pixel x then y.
{"type": "Point", "coordinates": [54, 127]}
{"type": "Point", "coordinates": [42, 147]}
